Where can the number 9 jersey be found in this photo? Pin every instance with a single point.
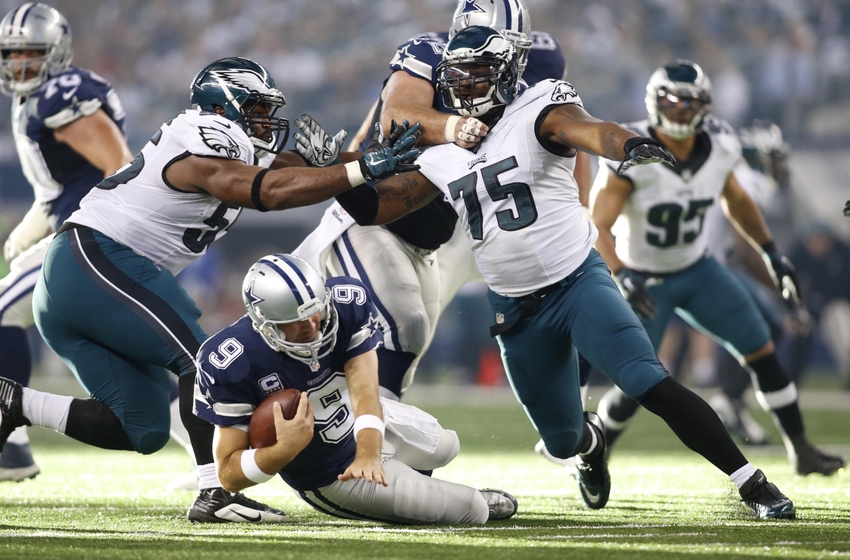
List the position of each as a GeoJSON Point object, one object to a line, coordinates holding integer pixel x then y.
{"type": "Point", "coordinates": [138, 208]}
{"type": "Point", "coordinates": [660, 227]}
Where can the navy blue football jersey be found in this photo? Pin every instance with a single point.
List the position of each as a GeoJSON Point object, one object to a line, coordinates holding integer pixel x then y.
{"type": "Point", "coordinates": [432, 225]}
{"type": "Point", "coordinates": [60, 177]}
{"type": "Point", "coordinates": [238, 370]}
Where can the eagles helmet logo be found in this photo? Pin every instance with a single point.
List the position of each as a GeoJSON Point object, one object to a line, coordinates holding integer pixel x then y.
{"type": "Point", "coordinates": [241, 78]}
{"type": "Point", "coordinates": [563, 91]}
{"type": "Point", "coordinates": [219, 141]}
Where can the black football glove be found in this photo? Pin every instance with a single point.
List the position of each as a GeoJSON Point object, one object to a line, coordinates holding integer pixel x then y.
{"type": "Point", "coordinates": [640, 151]}
{"type": "Point", "coordinates": [847, 208]}
{"type": "Point", "coordinates": [392, 155]}
{"type": "Point", "coordinates": [782, 272]}
{"type": "Point", "coordinates": [633, 286]}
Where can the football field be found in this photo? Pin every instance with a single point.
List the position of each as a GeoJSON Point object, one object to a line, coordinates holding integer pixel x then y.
{"type": "Point", "coordinates": [665, 501]}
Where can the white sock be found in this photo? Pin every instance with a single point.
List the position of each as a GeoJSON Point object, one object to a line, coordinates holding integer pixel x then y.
{"type": "Point", "coordinates": [46, 409]}
{"type": "Point", "coordinates": [207, 477]}
{"type": "Point", "coordinates": [742, 475]}
{"type": "Point", "coordinates": [19, 436]}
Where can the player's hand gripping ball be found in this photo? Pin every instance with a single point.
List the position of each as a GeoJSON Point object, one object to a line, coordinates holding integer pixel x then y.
{"type": "Point", "coordinates": [261, 430]}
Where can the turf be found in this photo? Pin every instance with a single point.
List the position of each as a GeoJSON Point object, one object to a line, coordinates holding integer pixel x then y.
{"type": "Point", "coordinates": [666, 503]}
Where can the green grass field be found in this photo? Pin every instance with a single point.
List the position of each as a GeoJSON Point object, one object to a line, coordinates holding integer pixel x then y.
{"type": "Point", "coordinates": [665, 502]}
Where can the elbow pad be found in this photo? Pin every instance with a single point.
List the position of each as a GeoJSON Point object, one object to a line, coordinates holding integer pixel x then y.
{"type": "Point", "coordinates": [361, 203]}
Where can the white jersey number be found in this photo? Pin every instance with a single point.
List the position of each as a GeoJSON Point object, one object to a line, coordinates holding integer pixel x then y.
{"type": "Point", "coordinates": [331, 409]}
{"type": "Point", "coordinates": [508, 220]}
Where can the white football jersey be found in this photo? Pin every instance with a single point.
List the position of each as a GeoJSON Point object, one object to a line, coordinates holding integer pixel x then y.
{"type": "Point", "coordinates": [660, 227]}
{"type": "Point", "coordinates": [137, 207]}
{"type": "Point", "coordinates": [517, 201]}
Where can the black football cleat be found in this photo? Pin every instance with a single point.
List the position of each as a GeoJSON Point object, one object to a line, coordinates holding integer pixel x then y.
{"type": "Point", "coordinates": [808, 459]}
{"type": "Point", "coordinates": [765, 499]}
{"type": "Point", "coordinates": [217, 505]}
{"type": "Point", "coordinates": [11, 409]}
{"type": "Point", "coordinates": [594, 481]}
{"type": "Point", "coordinates": [501, 504]}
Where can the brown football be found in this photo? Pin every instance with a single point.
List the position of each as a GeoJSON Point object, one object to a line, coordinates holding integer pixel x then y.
{"type": "Point", "coordinates": [261, 430]}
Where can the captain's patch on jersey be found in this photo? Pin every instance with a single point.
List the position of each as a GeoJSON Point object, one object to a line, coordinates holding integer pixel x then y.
{"type": "Point", "coordinates": [563, 91]}
{"type": "Point", "coordinates": [219, 141]}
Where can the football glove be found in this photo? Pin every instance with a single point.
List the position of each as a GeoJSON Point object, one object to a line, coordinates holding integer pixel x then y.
{"type": "Point", "coordinates": [392, 155]}
{"type": "Point", "coordinates": [315, 145]}
{"type": "Point", "coordinates": [33, 228]}
{"type": "Point", "coordinates": [633, 286]}
{"type": "Point", "coordinates": [782, 272]}
{"type": "Point", "coordinates": [847, 208]}
{"type": "Point", "coordinates": [640, 151]}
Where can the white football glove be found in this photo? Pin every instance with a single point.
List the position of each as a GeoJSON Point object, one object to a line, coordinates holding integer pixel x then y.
{"type": "Point", "coordinates": [33, 228]}
{"type": "Point", "coordinates": [315, 145]}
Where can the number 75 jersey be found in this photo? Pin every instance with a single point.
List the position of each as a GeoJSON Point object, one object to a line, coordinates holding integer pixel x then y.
{"type": "Point", "coordinates": [660, 228]}
{"type": "Point", "coordinates": [139, 208]}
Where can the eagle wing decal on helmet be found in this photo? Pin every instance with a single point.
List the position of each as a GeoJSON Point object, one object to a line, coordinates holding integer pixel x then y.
{"type": "Point", "coordinates": [219, 141]}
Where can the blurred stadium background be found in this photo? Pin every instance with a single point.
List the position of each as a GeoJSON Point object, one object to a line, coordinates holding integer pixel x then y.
{"type": "Point", "coordinates": [786, 61]}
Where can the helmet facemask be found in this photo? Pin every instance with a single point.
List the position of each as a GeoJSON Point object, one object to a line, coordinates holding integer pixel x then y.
{"type": "Point", "coordinates": [678, 97]}
{"type": "Point", "coordinates": [282, 289]}
{"type": "Point", "coordinates": [474, 57]}
{"type": "Point", "coordinates": [33, 27]}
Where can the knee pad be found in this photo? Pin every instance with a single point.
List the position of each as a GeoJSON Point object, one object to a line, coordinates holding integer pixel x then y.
{"type": "Point", "coordinates": [447, 448]}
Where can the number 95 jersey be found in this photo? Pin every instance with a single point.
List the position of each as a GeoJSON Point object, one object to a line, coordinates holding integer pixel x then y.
{"type": "Point", "coordinates": [137, 207]}
{"type": "Point", "coordinates": [661, 224]}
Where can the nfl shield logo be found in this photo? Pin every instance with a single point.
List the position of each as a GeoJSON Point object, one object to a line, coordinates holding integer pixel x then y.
{"type": "Point", "coordinates": [314, 366]}
{"type": "Point", "coordinates": [500, 318]}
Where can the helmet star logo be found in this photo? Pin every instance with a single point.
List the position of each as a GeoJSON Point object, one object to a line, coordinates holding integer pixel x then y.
{"type": "Point", "coordinates": [251, 297]}
{"type": "Point", "coordinates": [471, 7]}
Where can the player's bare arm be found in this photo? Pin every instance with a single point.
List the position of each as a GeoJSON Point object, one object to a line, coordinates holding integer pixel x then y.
{"type": "Point", "coordinates": [361, 374]}
{"type": "Point", "coordinates": [571, 126]}
{"type": "Point", "coordinates": [744, 213]}
{"type": "Point", "coordinates": [292, 437]}
{"type": "Point", "coordinates": [606, 203]}
{"type": "Point", "coordinates": [408, 98]}
{"type": "Point", "coordinates": [401, 195]}
{"type": "Point", "coordinates": [98, 139]}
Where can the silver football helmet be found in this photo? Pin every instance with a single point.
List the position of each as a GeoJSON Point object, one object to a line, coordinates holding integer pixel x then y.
{"type": "Point", "coordinates": [679, 83]}
{"type": "Point", "coordinates": [509, 17]}
{"type": "Point", "coordinates": [281, 289]}
{"type": "Point", "coordinates": [475, 56]}
{"type": "Point", "coordinates": [34, 27]}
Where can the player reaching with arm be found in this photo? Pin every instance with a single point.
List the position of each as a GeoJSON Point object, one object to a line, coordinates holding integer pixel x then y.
{"type": "Point", "coordinates": [68, 126]}
{"type": "Point", "coordinates": [107, 301]}
{"type": "Point", "coordinates": [320, 338]}
{"type": "Point", "coordinates": [660, 257]}
{"type": "Point", "coordinates": [415, 266]}
{"type": "Point", "coordinates": [551, 293]}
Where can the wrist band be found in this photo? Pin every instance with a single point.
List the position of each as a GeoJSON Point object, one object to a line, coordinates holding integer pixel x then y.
{"type": "Point", "coordinates": [250, 468]}
{"type": "Point", "coordinates": [368, 421]}
{"type": "Point", "coordinates": [355, 175]}
{"type": "Point", "coordinates": [255, 191]}
{"type": "Point", "coordinates": [451, 124]}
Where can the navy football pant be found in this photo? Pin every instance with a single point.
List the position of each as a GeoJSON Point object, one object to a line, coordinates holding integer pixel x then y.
{"type": "Point", "coordinates": [540, 352]}
{"type": "Point", "coordinates": [120, 324]}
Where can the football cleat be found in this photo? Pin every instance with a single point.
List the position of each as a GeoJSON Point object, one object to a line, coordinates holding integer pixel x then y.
{"type": "Point", "coordinates": [594, 481]}
{"type": "Point", "coordinates": [217, 505]}
{"type": "Point", "coordinates": [16, 463]}
{"type": "Point", "coordinates": [765, 499]}
{"type": "Point", "coordinates": [808, 459]}
{"type": "Point", "coordinates": [11, 409]}
{"type": "Point", "coordinates": [501, 504]}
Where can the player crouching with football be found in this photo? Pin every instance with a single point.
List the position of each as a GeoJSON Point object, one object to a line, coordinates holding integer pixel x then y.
{"type": "Point", "coordinates": [347, 452]}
